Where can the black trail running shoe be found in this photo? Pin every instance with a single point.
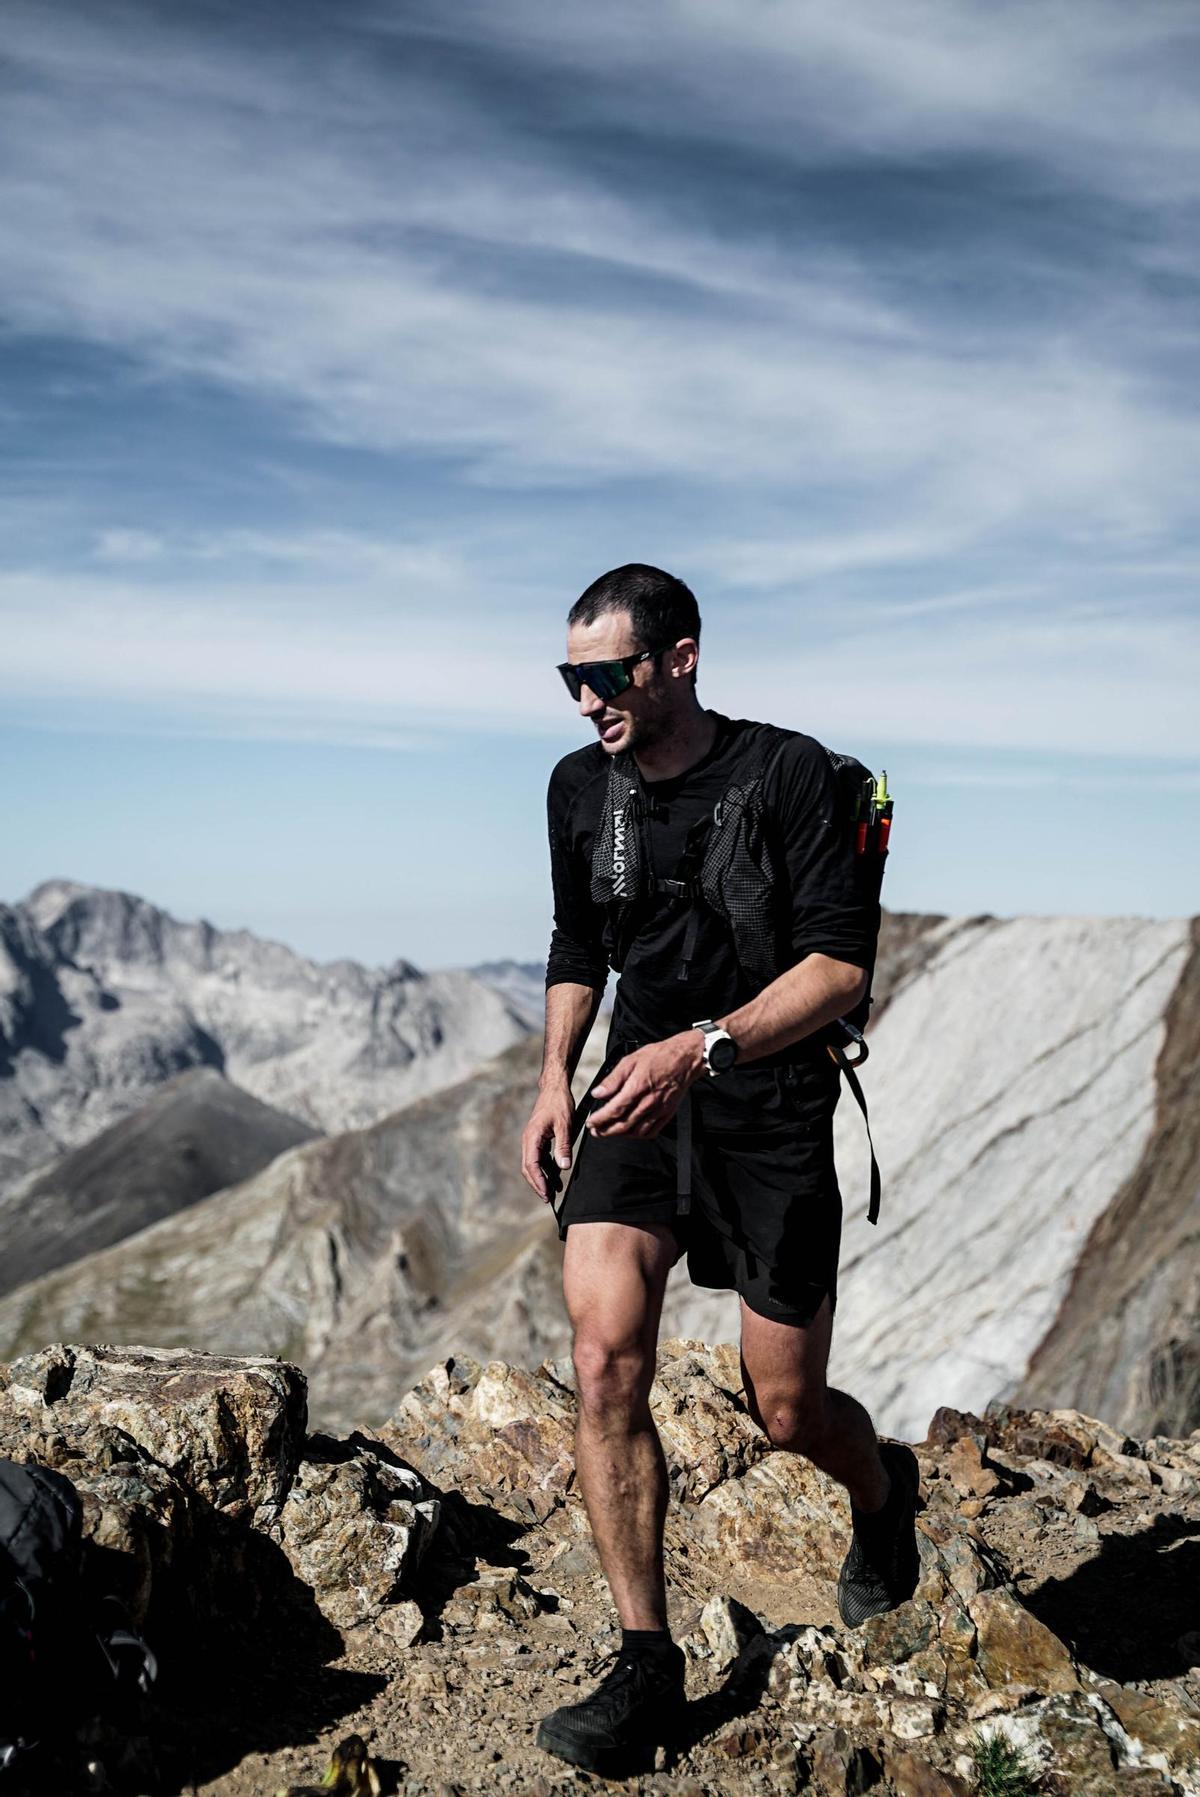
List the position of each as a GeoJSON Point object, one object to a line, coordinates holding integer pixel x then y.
{"type": "Point", "coordinates": [881, 1570]}
{"type": "Point", "coordinates": [635, 1708]}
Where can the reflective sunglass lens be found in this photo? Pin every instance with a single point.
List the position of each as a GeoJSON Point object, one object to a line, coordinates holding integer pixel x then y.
{"type": "Point", "coordinates": [607, 679]}
{"type": "Point", "coordinates": [604, 678]}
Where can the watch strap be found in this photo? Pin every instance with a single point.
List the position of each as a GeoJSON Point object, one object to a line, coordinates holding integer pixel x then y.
{"type": "Point", "coordinates": [713, 1033]}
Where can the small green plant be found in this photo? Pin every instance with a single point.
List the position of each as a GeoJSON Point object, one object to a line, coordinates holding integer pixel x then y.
{"type": "Point", "coordinates": [1001, 1770]}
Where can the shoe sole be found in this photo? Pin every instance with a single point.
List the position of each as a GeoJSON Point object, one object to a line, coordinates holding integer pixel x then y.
{"type": "Point", "coordinates": [609, 1761]}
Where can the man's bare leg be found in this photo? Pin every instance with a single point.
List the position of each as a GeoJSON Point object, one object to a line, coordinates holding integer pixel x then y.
{"type": "Point", "coordinates": [614, 1275]}
{"type": "Point", "coordinates": [784, 1372]}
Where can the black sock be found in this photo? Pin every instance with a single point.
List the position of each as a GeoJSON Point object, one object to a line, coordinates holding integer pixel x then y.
{"type": "Point", "coordinates": [870, 1524]}
{"type": "Point", "coordinates": [646, 1643]}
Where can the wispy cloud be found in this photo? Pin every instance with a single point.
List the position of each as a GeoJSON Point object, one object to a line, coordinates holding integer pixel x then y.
{"type": "Point", "coordinates": [393, 251]}
{"type": "Point", "coordinates": [887, 77]}
{"type": "Point", "coordinates": [322, 661]}
{"type": "Point", "coordinates": [881, 315]}
{"type": "Point", "coordinates": [304, 555]}
{"type": "Point", "coordinates": [118, 545]}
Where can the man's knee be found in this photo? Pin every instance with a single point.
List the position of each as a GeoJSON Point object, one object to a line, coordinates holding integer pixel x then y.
{"type": "Point", "coordinates": [797, 1421]}
{"type": "Point", "coordinates": [613, 1280]}
{"type": "Point", "coordinates": [611, 1376]}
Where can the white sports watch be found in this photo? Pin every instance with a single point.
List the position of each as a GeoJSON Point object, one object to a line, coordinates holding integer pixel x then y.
{"type": "Point", "coordinates": [720, 1049]}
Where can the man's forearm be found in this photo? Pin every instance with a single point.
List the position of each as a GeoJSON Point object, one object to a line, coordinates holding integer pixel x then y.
{"type": "Point", "coordinates": [570, 1013]}
{"type": "Point", "coordinates": [799, 1002]}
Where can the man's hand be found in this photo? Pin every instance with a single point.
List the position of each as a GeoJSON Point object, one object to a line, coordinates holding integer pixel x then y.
{"type": "Point", "coordinates": [642, 1093]}
{"type": "Point", "coordinates": [549, 1127]}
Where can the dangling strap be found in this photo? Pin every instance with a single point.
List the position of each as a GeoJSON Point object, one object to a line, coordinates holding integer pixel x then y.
{"type": "Point", "coordinates": [846, 1068]}
{"type": "Point", "coordinates": [683, 1156]}
{"type": "Point", "coordinates": [689, 941]}
{"type": "Point", "coordinates": [685, 883]}
{"type": "Point", "coordinates": [690, 1175]}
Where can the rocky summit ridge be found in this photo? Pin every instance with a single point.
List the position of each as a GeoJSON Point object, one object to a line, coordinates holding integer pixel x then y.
{"type": "Point", "coordinates": [431, 1585]}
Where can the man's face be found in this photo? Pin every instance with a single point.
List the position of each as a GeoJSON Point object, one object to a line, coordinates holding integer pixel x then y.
{"type": "Point", "coordinates": [640, 716]}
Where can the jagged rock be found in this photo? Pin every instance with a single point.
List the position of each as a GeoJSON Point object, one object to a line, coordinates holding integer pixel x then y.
{"type": "Point", "coordinates": [496, 1426]}
{"type": "Point", "coordinates": [707, 1434]}
{"type": "Point", "coordinates": [839, 1769]}
{"type": "Point", "coordinates": [780, 1517]}
{"type": "Point", "coordinates": [1062, 1441]}
{"type": "Point", "coordinates": [917, 1778]}
{"type": "Point", "coordinates": [497, 1598]}
{"type": "Point", "coordinates": [913, 1718]}
{"type": "Point", "coordinates": [229, 1430]}
{"type": "Point", "coordinates": [402, 1623]}
{"type": "Point", "coordinates": [1082, 1497]}
{"type": "Point", "coordinates": [947, 1425]}
{"type": "Point", "coordinates": [1159, 1727]}
{"type": "Point", "coordinates": [896, 1636]}
{"type": "Point", "coordinates": [139, 1522]}
{"type": "Point", "coordinates": [969, 1471]}
{"type": "Point", "coordinates": [1014, 1648]}
{"type": "Point", "coordinates": [951, 1558]}
{"type": "Point", "coordinates": [741, 1743]}
{"type": "Point", "coordinates": [727, 1626]}
{"type": "Point", "coordinates": [355, 1528]}
{"type": "Point", "coordinates": [1081, 1750]}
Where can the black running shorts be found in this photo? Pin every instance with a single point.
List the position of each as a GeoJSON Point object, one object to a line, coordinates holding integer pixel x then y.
{"type": "Point", "coordinates": [765, 1215]}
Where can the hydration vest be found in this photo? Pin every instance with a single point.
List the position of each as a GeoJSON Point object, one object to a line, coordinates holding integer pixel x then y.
{"type": "Point", "coordinates": [729, 868]}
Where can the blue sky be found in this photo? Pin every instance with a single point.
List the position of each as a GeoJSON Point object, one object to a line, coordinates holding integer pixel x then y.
{"type": "Point", "coordinates": [341, 347]}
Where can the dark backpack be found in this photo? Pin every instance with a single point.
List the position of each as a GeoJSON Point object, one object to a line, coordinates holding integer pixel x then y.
{"type": "Point", "coordinates": [729, 867]}
{"type": "Point", "coordinates": [729, 860]}
{"type": "Point", "coordinates": [64, 1658]}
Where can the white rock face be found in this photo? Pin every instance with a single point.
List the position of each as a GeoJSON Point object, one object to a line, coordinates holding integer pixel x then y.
{"type": "Point", "coordinates": [102, 996]}
{"type": "Point", "coordinates": [1012, 1093]}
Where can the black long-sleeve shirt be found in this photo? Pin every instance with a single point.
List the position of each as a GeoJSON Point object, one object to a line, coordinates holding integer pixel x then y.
{"type": "Point", "coordinates": [827, 911]}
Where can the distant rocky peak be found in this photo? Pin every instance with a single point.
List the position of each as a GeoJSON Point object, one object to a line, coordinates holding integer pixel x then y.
{"type": "Point", "coordinates": [400, 972]}
{"type": "Point", "coordinates": [50, 898]}
{"type": "Point", "coordinates": [103, 926]}
{"type": "Point", "coordinates": [21, 945]}
{"type": "Point", "coordinates": [95, 924]}
{"type": "Point", "coordinates": [32, 1008]}
{"type": "Point", "coordinates": [104, 994]}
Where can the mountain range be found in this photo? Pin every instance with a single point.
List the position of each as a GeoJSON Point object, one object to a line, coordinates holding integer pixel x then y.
{"type": "Point", "coordinates": [103, 996]}
{"type": "Point", "coordinates": [1033, 1099]}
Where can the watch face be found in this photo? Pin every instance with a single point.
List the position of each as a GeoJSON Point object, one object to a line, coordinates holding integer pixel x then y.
{"type": "Point", "coordinates": [722, 1054]}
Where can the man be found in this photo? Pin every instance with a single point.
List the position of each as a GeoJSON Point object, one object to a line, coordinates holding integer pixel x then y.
{"type": "Point", "coordinates": [696, 1039]}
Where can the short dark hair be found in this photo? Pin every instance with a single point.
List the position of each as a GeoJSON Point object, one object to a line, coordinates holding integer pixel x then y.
{"type": "Point", "coordinates": [661, 607]}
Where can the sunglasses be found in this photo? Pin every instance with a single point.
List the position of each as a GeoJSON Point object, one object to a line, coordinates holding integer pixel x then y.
{"type": "Point", "coordinates": [605, 678]}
